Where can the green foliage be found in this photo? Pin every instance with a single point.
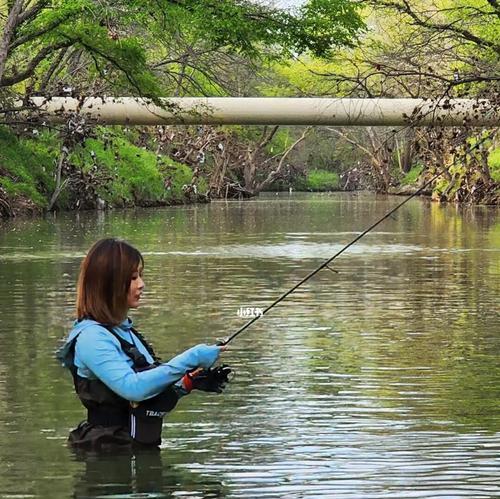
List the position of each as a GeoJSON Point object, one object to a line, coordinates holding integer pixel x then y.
{"type": "Point", "coordinates": [180, 175]}
{"type": "Point", "coordinates": [118, 171]}
{"type": "Point", "coordinates": [471, 14]}
{"type": "Point", "coordinates": [323, 25]}
{"type": "Point", "coordinates": [494, 164]}
{"type": "Point", "coordinates": [27, 166]}
{"type": "Point", "coordinates": [136, 175]}
{"type": "Point", "coordinates": [306, 77]}
{"type": "Point", "coordinates": [413, 175]}
{"type": "Point", "coordinates": [124, 46]}
{"type": "Point", "coordinates": [128, 57]}
{"type": "Point", "coordinates": [280, 142]}
{"type": "Point", "coordinates": [247, 27]}
{"type": "Point", "coordinates": [319, 180]}
{"type": "Point", "coordinates": [450, 186]}
{"type": "Point", "coordinates": [440, 186]}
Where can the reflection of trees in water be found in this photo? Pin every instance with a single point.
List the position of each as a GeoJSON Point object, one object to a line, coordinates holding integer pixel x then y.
{"type": "Point", "coordinates": [139, 473]}
{"type": "Point", "coordinates": [421, 323]}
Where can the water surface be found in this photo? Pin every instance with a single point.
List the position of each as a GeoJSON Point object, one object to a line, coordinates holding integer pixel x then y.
{"type": "Point", "coordinates": [380, 380]}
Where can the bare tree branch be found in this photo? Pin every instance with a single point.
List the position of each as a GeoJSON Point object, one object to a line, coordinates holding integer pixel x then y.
{"type": "Point", "coordinates": [52, 69]}
{"type": "Point", "coordinates": [353, 142]}
{"type": "Point", "coordinates": [274, 174]}
{"type": "Point", "coordinates": [266, 138]}
{"type": "Point", "coordinates": [495, 5]}
{"type": "Point", "coordinates": [30, 14]}
{"type": "Point", "coordinates": [30, 68]}
{"type": "Point", "coordinates": [426, 23]}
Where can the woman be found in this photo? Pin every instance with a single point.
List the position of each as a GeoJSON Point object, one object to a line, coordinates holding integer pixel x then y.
{"type": "Point", "coordinates": [116, 374]}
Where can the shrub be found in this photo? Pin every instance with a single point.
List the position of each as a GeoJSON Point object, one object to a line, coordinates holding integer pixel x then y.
{"type": "Point", "coordinates": [134, 175]}
{"type": "Point", "coordinates": [494, 164]}
{"type": "Point", "coordinates": [322, 180]}
{"type": "Point", "coordinates": [27, 165]}
{"type": "Point", "coordinates": [413, 175]}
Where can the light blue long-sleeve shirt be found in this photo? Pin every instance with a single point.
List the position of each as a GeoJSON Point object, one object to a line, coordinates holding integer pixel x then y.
{"type": "Point", "coordinates": [98, 354]}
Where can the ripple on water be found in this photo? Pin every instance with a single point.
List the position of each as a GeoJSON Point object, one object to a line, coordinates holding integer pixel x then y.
{"type": "Point", "coordinates": [378, 381]}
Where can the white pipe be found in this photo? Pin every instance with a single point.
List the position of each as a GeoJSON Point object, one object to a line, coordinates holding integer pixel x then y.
{"type": "Point", "coordinates": [271, 111]}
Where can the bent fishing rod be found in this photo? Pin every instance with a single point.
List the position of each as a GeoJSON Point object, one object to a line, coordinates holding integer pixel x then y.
{"type": "Point", "coordinates": [326, 263]}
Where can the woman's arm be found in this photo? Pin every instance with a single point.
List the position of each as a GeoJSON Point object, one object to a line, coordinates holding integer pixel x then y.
{"type": "Point", "coordinates": [101, 353]}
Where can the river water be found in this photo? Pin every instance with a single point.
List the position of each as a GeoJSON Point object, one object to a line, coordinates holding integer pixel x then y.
{"type": "Point", "coordinates": [380, 380]}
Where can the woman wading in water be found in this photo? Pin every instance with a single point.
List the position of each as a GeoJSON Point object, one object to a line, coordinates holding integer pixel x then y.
{"type": "Point", "coordinates": [125, 388]}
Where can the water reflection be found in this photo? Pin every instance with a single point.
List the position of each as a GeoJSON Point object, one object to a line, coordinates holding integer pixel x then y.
{"type": "Point", "coordinates": [138, 473]}
{"type": "Point", "coordinates": [379, 381]}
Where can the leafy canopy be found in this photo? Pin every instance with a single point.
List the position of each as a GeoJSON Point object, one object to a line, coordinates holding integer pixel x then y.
{"type": "Point", "coordinates": [122, 38]}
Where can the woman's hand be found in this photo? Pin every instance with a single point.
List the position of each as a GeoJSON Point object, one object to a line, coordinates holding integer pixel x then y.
{"type": "Point", "coordinates": [207, 355]}
{"type": "Point", "coordinates": [207, 380]}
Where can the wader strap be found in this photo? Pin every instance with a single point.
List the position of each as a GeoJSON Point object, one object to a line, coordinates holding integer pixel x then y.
{"type": "Point", "coordinates": [133, 352]}
{"type": "Point", "coordinates": [147, 345]}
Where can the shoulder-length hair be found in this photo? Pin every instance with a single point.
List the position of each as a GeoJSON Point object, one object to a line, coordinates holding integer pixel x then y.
{"type": "Point", "coordinates": [104, 281]}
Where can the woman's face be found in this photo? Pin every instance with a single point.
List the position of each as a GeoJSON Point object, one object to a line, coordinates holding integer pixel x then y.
{"type": "Point", "coordinates": [135, 289]}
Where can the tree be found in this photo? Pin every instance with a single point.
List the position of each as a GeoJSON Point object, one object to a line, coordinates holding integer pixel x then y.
{"type": "Point", "coordinates": [445, 45]}
{"type": "Point", "coordinates": [431, 49]}
{"type": "Point", "coordinates": [237, 162]}
{"type": "Point", "coordinates": [167, 47]}
{"type": "Point", "coordinates": [120, 39]}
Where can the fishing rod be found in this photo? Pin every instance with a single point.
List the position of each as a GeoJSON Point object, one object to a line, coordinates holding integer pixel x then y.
{"type": "Point", "coordinates": [326, 263]}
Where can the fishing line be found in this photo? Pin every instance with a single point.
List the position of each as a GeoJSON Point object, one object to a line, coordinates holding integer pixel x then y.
{"type": "Point", "coordinates": [326, 263]}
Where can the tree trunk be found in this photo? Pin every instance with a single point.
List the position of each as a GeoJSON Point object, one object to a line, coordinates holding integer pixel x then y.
{"type": "Point", "coordinates": [250, 170]}
{"type": "Point", "coordinates": [275, 174]}
{"type": "Point", "coordinates": [405, 152]}
{"type": "Point", "coordinates": [484, 169]}
{"type": "Point", "coordinates": [59, 184]}
{"type": "Point", "coordinates": [380, 160]}
{"type": "Point", "coordinates": [8, 32]}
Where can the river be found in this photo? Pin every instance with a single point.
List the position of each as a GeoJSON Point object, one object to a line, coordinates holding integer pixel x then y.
{"type": "Point", "coordinates": [381, 379]}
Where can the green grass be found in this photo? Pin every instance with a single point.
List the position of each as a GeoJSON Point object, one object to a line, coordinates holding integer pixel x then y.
{"type": "Point", "coordinates": [120, 172]}
{"type": "Point", "coordinates": [413, 175]}
{"type": "Point", "coordinates": [136, 175]}
{"type": "Point", "coordinates": [27, 166]}
{"type": "Point", "coordinates": [132, 172]}
{"type": "Point", "coordinates": [321, 180]}
{"type": "Point", "coordinates": [494, 164]}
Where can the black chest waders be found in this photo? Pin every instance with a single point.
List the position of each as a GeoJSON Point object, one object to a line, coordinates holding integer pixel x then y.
{"type": "Point", "coordinates": [112, 420]}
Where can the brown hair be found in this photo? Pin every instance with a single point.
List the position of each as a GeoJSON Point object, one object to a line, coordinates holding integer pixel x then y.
{"type": "Point", "coordinates": [104, 281]}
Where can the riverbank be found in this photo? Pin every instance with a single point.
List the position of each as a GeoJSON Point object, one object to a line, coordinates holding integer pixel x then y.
{"type": "Point", "coordinates": [106, 170]}
{"type": "Point", "coordinates": [482, 195]}
{"type": "Point", "coordinates": [116, 167]}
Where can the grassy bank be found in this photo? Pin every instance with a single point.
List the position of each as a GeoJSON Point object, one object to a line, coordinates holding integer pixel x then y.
{"type": "Point", "coordinates": [107, 170]}
{"type": "Point", "coordinates": [315, 180]}
{"type": "Point", "coordinates": [461, 184]}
